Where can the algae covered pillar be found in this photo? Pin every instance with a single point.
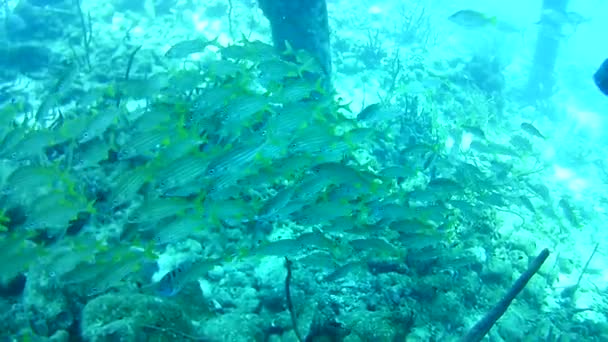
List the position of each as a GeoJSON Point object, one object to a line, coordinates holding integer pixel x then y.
{"type": "Point", "coordinates": [303, 23]}
{"type": "Point", "coordinates": [541, 81]}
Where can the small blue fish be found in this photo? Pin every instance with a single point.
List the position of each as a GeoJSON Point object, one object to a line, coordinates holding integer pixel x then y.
{"type": "Point", "coordinates": [169, 285]}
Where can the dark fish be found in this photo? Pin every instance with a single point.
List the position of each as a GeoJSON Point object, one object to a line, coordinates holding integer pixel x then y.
{"type": "Point", "coordinates": [369, 111]}
{"type": "Point", "coordinates": [521, 143]}
{"type": "Point", "coordinates": [601, 77]}
{"type": "Point", "coordinates": [525, 201]}
{"type": "Point", "coordinates": [475, 131]}
{"type": "Point", "coordinates": [569, 213]}
{"type": "Point", "coordinates": [530, 129]}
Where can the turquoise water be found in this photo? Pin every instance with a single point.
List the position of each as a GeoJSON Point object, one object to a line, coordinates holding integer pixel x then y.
{"type": "Point", "coordinates": [170, 172]}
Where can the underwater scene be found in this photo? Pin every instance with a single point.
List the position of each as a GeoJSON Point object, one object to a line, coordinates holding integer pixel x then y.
{"type": "Point", "coordinates": [303, 170]}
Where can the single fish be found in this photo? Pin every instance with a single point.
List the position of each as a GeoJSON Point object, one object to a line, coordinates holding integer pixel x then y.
{"type": "Point", "coordinates": [541, 190]}
{"type": "Point", "coordinates": [521, 143]}
{"type": "Point", "coordinates": [558, 18]}
{"type": "Point", "coordinates": [32, 145]}
{"type": "Point", "coordinates": [181, 229]}
{"type": "Point", "coordinates": [241, 113]}
{"type": "Point", "coordinates": [229, 211]}
{"type": "Point", "coordinates": [318, 259]}
{"type": "Point", "coordinates": [387, 213]}
{"type": "Point", "coordinates": [369, 112]}
{"type": "Point", "coordinates": [445, 184]}
{"type": "Point", "coordinates": [420, 240]}
{"type": "Point", "coordinates": [472, 19]}
{"type": "Point", "coordinates": [156, 209]}
{"type": "Point", "coordinates": [294, 247]}
{"type": "Point", "coordinates": [175, 280]}
{"type": "Point", "coordinates": [254, 51]}
{"type": "Point", "coordinates": [30, 179]}
{"type": "Point", "coordinates": [530, 129]}
{"type": "Point", "coordinates": [494, 148]}
{"type": "Point", "coordinates": [127, 184]}
{"type": "Point", "coordinates": [601, 77]}
{"type": "Point", "coordinates": [272, 207]}
{"type": "Point", "coordinates": [322, 212]}
{"type": "Point", "coordinates": [21, 252]}
{"type": "Point", "coordinates": [91, 154]}
{"type": "Point", "coordinates": [344, 270]}
{"type": "Point", "coordinates": [340, 174]}
{"type": "Point", "coordinates": [313, 139]}
{"type": "Point", "coordinates": [187, 47]}
{"type": "Point", "coordinates": [290, 118]}
{"type": "Point", "coordinates": [378, 113]}
{"type": "Point", "coordinates": [186, 80]}
{"type": "Point", "coordinates": [374, 244]}
{"type": "Point", "coordinates": [144, 88]}
{"type": "Point", "coordinates": [274, 71]}
{"type": "Point", "coordinates": [113, 272]}
{"type": "Point", "coordinates": [310, 187]}
{"type": "Point", "coordinates": [398, 172]}
{"type": "Point", "coordinates": [72, 128]}
{"type": "Point", "coordinates": [146, 144]}
{"type": "Point", "coordinates": [475, 131]}
{"type": "Point", "coordinates": [413, 226]}
{"type": "Point", "coordinates": [57, 204]}
{"type": "Point", "coordinates": [527, 203]}
{"type": "Point", "coordinates": [284, 247]}
{"type": "Point", "coordinates": [98, 123]}
{"type": "Point", "coordinates": [182, 171]}
{"type": "Point", "coordinates": [294, 90]}
{"type": "Point", "coordinates": [235, 158]}
{"type": "Point", "coordinates": [569, 213]}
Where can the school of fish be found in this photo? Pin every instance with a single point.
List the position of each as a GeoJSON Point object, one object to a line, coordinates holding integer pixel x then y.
{"type": "Point", "coordinates": [248, 142]}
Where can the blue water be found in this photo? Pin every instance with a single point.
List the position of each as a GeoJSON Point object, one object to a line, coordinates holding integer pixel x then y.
{"type": "Point", "coordinates": [170, 172]}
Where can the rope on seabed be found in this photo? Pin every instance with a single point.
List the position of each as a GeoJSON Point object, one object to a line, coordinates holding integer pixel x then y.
{"type": "Point", "coordinates": [483, 326]}
{"type": "Point", "coordinates": [294, 320]}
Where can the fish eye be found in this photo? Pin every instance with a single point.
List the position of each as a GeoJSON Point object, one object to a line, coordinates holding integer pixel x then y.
{"type": "Point", "coordinates": [14, 155]}
{"type": "Point", "coordinates": [211, 171]}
